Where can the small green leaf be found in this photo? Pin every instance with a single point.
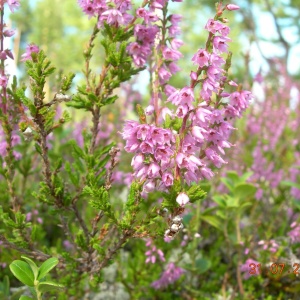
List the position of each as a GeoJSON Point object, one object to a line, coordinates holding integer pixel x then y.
{"type": "Point", "coordinates": [25, 298]}
{"type": "Point", "coordinates": [228, 183]}
{"type": "Point", "coordinates": [32, 265]}
{"type": "Point", "coordinates": [202, 265]}
{"type": "Point", "coordinates": [6, 285]}
{"type": "Point", "coordinates": [141, 113]}
{"type": "Point", "coordinates": [245, 176]}
{"type": "Point", "coordinates": [47, 266]}
{"type": "Point", "coordinates": [22, 272]}
{"type": "Point", "coordinates": [213, 220]}
{"type": "Point", "coordinates": [233, 176]}
{"type": "Point", "coordinates": [48, 286]}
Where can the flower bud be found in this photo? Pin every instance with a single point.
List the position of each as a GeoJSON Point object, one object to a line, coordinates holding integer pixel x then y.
{"type": "Point", "coordinates": [28, 134]}
{"type": "Point", "coordinates": [193, 75]}
{"type": "Point", "coordinates": [232, 7]}
{"type": "Point", "coordinates": [177, 220]}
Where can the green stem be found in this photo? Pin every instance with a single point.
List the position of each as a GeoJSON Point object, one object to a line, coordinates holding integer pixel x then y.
{"type": "Point", "coordinates": [38, 293]}
{"type": "Point", "coordinates": [239, 240]}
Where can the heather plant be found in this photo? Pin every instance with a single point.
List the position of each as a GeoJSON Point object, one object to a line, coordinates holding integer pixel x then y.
{"type": "Point", "coordinates": [91, 189]}
{"type": "Point", "coordinates": [270, 162]}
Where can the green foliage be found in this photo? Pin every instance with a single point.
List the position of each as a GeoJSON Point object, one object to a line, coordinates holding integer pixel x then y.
{"type": "Point", "coordinates": [100, 200]}
{"type": "Point", "coordinates": [68, 205]}
{"type": "Point", "coordinates": [195, 193]}
{"type": "Point", "coordinates": [34, 277]}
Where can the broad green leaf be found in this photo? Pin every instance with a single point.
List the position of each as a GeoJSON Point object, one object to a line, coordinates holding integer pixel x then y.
{"type": "Point", "coordinates": [208, 211]}
{"type": "Point", "coordinates": [245, 205]}
{"type": "Point", "coordinates": [291, 184]}
{"type": "Point", "coordinates": [32, 265]}
{"type": "Point", "coordinates": [47, 266]}
{"type": "Point", "coordinates": [212, 220]}
{"type": "Point", "coordinates": [245, 176]}
{"type": "Point", "coordinates": [25, 298]}
{"type": "Point", "coordinates": [221, 214]}
{"type": "Point", "coordinates": [22, 272]}
{"type": "Point", "coordinates": [233, 176]}
{"type": "Point", "coordinates": [296, 204]}
{"type": "Point", "coordinates": [232, 202]}
{"type": "Point", "coordinates": [202, 265]}
{"type": "Point", "coordinates": [244, 190]}
{"type": "Point", "coordinates": [48, 286]}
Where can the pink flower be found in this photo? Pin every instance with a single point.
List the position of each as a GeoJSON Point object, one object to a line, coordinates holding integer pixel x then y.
{"type": "Point", "coordinates": [182, 199]}
{"type": "Point", "coordinates": [220, 43]}
{"type": "Point", "coordinates": [149, 110]}
{"type": "Point", "coordinates": [153, 170]}
{"type": "Point", "coordinates": [201, 58]}
{"type": "Point", "coordinates": [164, 75]}
{"type": "Point", "coordinates": [13, 4]}
{"type": "Point", "coordinates": [171, 54]}
{"type": "Point", "coordinates": [248, 266]}
{"type": "Point", "coordinates": [3, 81]}
{"type": "Point", "coordinates": [32, 48]}
{"type": "Point", "coordinates": [197, 133]}
{"type": "Point", "coordinates": [9, 32]}
{"type": "Point", "coordinates": [167, 179]}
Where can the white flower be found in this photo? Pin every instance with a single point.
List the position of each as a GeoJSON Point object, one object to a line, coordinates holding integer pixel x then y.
{"type": "Point", "coordinates": [182, 199]}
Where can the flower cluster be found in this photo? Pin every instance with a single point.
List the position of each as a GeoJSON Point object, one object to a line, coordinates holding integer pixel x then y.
{"type": "Point", "coordinates": [114, 13]}
{"type": "Point", "coordinates": [153, 253]}
{"type": "Point", "coordinates": [167, 43]}
{"type": "Point", "coordinates": [271, 245]}
{"type": "Point", "coordinates": [169, 276]}
{"type": "Point", "coordinates": [294, 234]}
{"type": "Point", "coordinates": [154, 148]}
{"type": "Point", "coordinates": [8, 136]}
{"type": "Point", "coordinates": [163, 155]}
{"type": "Point", "coordinates": [141, 49]}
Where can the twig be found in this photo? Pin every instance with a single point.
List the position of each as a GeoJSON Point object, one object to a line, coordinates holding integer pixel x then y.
{"type": "Point", "coordinates": [32, 253]}
{"type": "Point", "coordinates": [111, 252]}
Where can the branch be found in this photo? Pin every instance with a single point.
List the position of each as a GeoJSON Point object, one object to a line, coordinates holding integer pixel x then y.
{"type": "Point", "coordinates": [279, 32]}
